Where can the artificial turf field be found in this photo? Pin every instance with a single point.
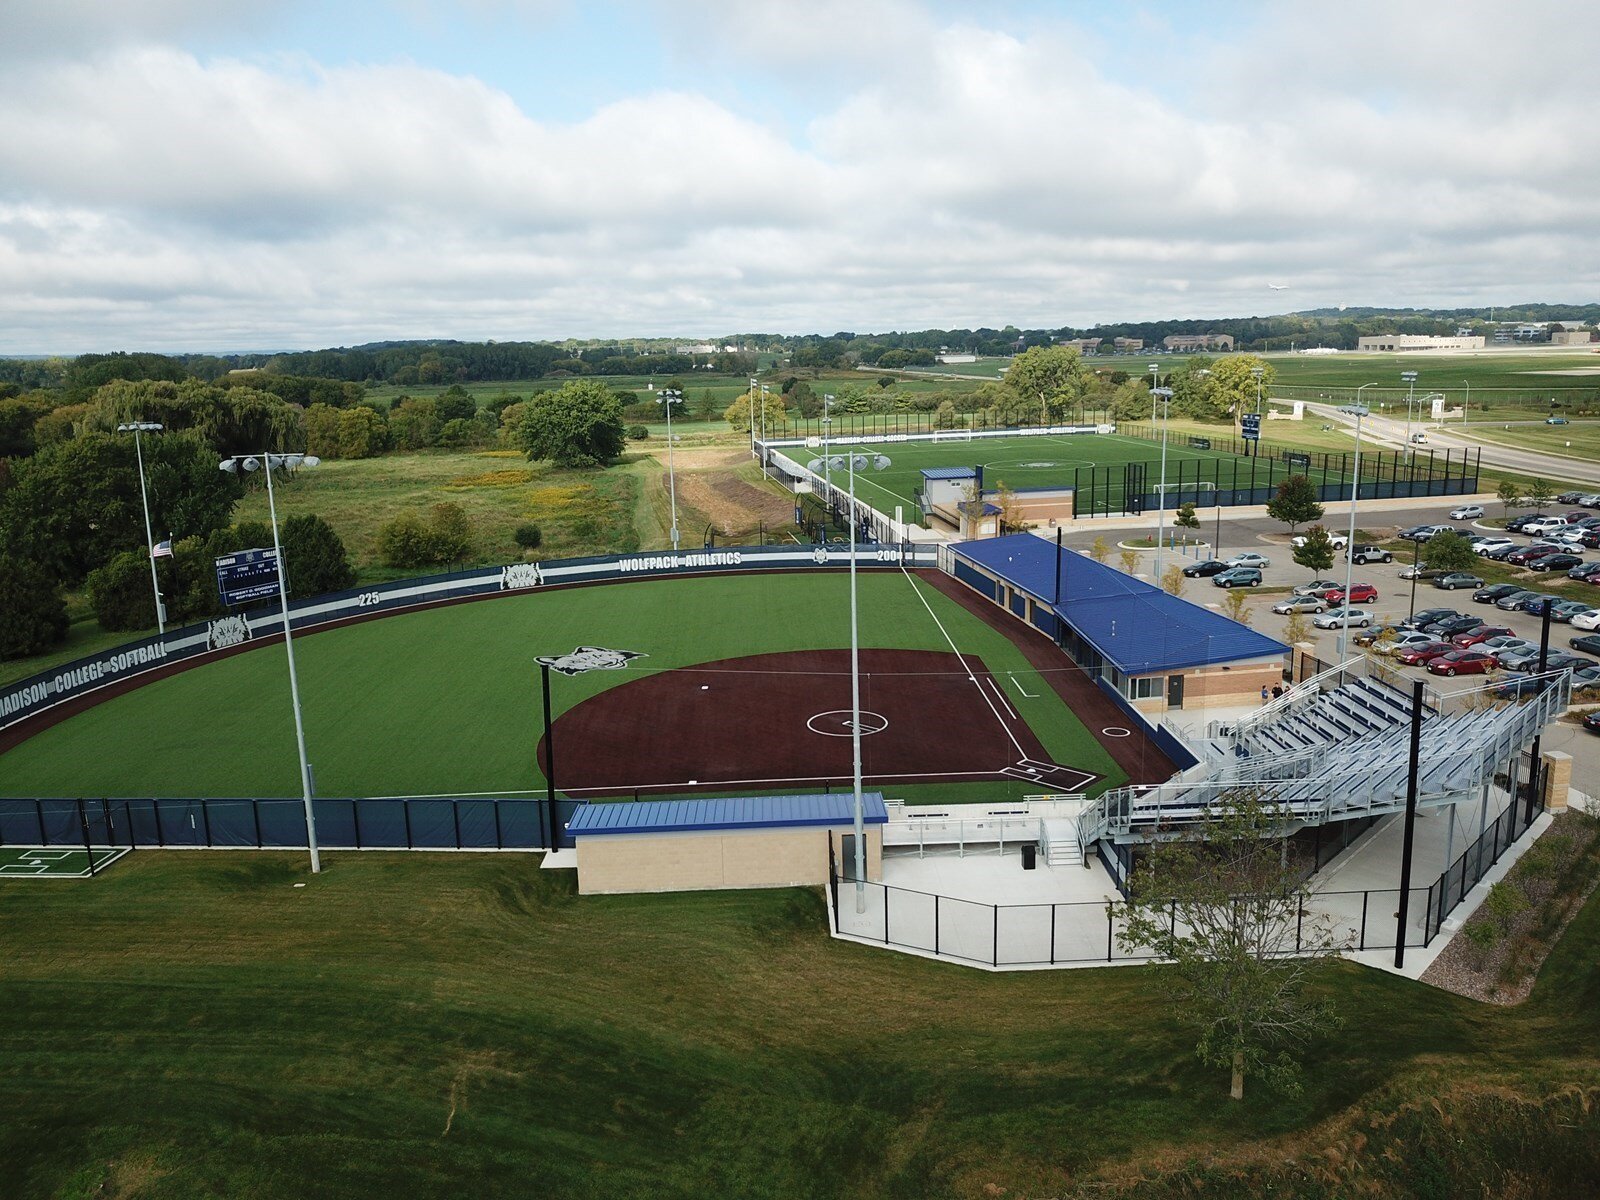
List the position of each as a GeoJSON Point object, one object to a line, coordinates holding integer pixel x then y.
{"type": "Point", "coordinates": [445, 701]}
{"type": "Point", "coordinates": [1049, 461]}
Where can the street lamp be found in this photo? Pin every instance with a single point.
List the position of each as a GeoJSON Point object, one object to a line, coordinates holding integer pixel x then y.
{"type": "Point", "coordinates": [669, 397]}
{"type": "Point", "coordinates": [253, 462]}
{"type": "Point", "coordinates": [136, 428]}
{"type": "Point", "coordinates": [1165, 394]}
{"type": "Point", "coordinates": [1357, 411]}
{"type": "Point", "coordinates": [1409, 378]}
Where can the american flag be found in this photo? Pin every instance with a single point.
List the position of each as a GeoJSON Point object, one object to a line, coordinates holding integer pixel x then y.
{"type": "Point", "coordinates": [162, 550]}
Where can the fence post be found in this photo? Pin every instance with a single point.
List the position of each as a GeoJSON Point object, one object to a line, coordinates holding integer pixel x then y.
{"type": "Point", "coordinates": [405, 816]}
{"type": "Point", "coordinates": [255, 817]}
{"type": "Point", "coordinates": [994, 945]}
{"type": "Point", "coordinates": [936, 923]}
{"type": "Point", "coordinates": [1053, 935]}
{"type": "Point", "coordinates": [1109, 926]}
{"type": "Point", "coordinates": [1362, 945]}
{"type": "Point", "coordinates": [205, 819]}
{"type": "Point", "coordinates": [1299, 924]}
{"type": "Point", "coordinates": [88, 849]}
{"type": "Point", "coordinates": [355, 820]}
{"type": "Point", "coordinates": [155, 807]}
{"type": "Point", "coordinates": [38, 815]}
{"type": "Point", "coordinates": [499, 843]}
{"type": "Point", "coordinates": [127, 818]}
{"type": "Point", "coordinates": [455, 817]}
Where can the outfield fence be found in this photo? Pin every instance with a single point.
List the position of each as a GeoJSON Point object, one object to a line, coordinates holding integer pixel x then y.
{"type": "Point", "coordinates": [72, 681]}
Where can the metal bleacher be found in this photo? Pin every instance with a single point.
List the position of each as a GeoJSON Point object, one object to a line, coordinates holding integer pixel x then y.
{"type": "Point", "coordinates": [1336, 747]}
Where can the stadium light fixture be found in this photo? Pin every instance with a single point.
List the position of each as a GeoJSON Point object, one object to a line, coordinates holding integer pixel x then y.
{"type": "Point", "coordinates": [254, 462]}
{"type": "Point", "coordinates": [136, 428]}
{"type": "Point", "coordinates": [877, 462]}
{"type": "Point", "coordinates": [669, 397]}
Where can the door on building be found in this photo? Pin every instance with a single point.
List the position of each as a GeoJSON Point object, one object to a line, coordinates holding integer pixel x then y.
{"type": "Point", "coordinates": [1174, 691]}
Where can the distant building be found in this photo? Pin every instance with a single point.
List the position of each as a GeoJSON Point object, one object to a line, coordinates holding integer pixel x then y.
{"type": "Point", "coordinates": [1188, 342]}
{"type": "Point", "coordinates": [955, 358]}
{"type": "Point", "coordinates": [1128, 345]}
{"type": "Point", "coordinates": [1572, 337]}
{"type": "Point", "coordinates": [1085, 345]}
{"type": "Point", "coordinates": [1387, 342]}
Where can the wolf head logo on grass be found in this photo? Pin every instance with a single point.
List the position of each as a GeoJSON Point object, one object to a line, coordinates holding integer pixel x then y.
{"type": "Point", "coordinates": [589, 658]}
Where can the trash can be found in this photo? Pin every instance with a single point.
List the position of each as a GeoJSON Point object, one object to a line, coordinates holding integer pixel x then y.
{"type": "Point", "coordinates": [1030, 856]}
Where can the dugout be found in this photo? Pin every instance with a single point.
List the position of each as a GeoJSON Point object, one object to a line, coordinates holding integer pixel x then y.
{"type": "Point", "coordinates": [1156, 651]}
{"type": "Point", "coordinates": [699, 845]}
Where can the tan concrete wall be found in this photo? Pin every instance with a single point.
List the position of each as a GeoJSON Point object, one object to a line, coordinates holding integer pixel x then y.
{"type": "Point", "coordinates": [688, 862]}
{"type": "Point", "coordinates": [1039, 509]}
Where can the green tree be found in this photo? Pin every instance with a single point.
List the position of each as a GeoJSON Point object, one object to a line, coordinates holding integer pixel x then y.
{"type": "Point", "coordinates": [944, 417]}
{"type": "Point", "coordinates": [1221, 904]}
{"type": "Point", "coordinates": [314, 557]}
{"type": "Point", "coordinates": [705, 408]}
{"type": "Point", "coordinates": [1510, 495]}
{"type": "Point", "coordinates": [578, 426]}
{"type": "Point", "coordinates": [1236, 606]}
{"type": "Point", "coordinates": [119, 592]}
{"type": "Point", "coordinates": [1050, 380]}
{"type": "Point", "coordinates": [1315, 553]}
{"type": "Point", "coordinates": [1540, 494]}
{"type": "Point", "coordinates": [1172, 579]}
{"type": "Point", "coordinates": [1100, 550]}
{"type": "Point", "coordinates": [1295, 503]}
{"type": "Point", "coordinates": [450, 533]}
{"type": "Point", "coordinates": [1234, 387]}
{"type": "Point", "coordinates": [455, 404]}
{"type": "Point", "coordinates": [33, 616]}
{"type": "Point", "coordinates": [1130, 402]}
{"type": "Point", "coordinates": [414, 424]}
{"type": "Point", "coordinates": [363, 432]}
{"type": "Point", "coordinates": [1448, 552]}
{"type": "Point", "coordinates": [1296, 629]}
{"type": "Point", "coordinates": [404, 542]}
{"type": "Point", "coordinates": [1186, 517]}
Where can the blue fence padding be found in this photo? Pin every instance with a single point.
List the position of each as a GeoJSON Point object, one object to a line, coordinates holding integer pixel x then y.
{"type": "Point", "coordinates": [277, 822]}
{"type": "Point", "coordinates": [1182, 757]}
{"type": "Point", "coordinates": [975, 579]}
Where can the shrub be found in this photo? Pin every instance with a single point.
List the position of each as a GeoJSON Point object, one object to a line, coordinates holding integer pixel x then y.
{"type": "Point", "coordinates": [404, 542]}
{"type": "Point", "coordinates": [638, 433]}
{"type": "Point", "coordinates": [528, 536]}
{"type": "Point", "coordinates": [314, 558]}
{"type": "Point", "coordinates": [450, 532]}
{"type": "Point", "coordinates": [119, 592]}
{"type": "Point", "coordinates": [33, 616]}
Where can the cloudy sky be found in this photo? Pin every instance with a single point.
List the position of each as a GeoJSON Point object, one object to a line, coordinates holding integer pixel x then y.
{"type": "Point", "coordinates": [240, 174]}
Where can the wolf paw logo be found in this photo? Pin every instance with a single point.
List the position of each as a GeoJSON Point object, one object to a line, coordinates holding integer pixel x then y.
{"type": "Point", "coordinates": [589, 658]}
{"type": "Point", "coordinates": [228, 631]}
{"type": "Point", "coordinates": [520, 575]}
{"type": "Point", "coordinates": [819, 556]}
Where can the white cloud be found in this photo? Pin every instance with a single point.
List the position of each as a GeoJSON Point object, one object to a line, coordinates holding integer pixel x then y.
{"type": "Point", "coordinates": [959, 176]}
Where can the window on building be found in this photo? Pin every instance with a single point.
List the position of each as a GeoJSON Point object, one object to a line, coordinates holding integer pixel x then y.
{"type": "Point", "coordinates": [1144, 689]}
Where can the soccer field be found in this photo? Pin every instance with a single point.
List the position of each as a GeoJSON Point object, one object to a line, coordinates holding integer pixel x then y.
{"type": "Point", "coordinates": [1096, 464]}
{"type": "Point", "coordinates": [446, 701]}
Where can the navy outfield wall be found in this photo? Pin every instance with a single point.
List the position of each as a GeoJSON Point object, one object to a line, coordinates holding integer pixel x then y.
{"type": "Point", "coordinates": [83, 677]}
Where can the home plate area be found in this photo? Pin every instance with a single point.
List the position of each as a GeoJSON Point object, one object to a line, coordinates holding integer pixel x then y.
{"type": "Point", "coordinates": [785, 721]}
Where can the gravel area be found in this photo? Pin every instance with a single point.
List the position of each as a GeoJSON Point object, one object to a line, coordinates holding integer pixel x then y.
{"type": "Point", "coordinates": [1468, 970]}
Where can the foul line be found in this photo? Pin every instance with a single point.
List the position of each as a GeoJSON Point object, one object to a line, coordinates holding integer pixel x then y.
{"type": "Point", "coordinates": [1001, 696]}
{"type": "Point", "coordinates": [1026, 694]}
{"type": "Point", "coordinates": [1021, 753]}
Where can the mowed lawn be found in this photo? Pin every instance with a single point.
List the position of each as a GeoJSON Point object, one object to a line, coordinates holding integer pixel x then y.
{"type": "Point", "coordinates": [446, 700]}
{"type": "Point", "coordinates": [194, 1024]}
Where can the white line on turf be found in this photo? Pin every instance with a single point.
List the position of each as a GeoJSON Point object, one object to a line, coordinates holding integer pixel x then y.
{"type": "Point", "coordinates": [1001, 696]}
{"type": "Point", "coordinates": [1029, 695]}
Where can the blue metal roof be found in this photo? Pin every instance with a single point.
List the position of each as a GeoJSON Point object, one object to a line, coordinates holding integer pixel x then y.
{"type": "Point", "coordinates": [949, 472]}
{"type": "Point", "coordinates": [1137, 626]}
{"type": "Point", "coordinates": [750, 812]}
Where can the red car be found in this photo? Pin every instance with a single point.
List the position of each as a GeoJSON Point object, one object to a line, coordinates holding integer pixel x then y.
{"type": "Point", "coordinates": [1481, 634]}
{"type": "Point", "coordinates": [1360, 593]}
{"type": "Point", "coordinates": [1461, 662]}
{"type": "Point", "coordinates": [1420, 655]}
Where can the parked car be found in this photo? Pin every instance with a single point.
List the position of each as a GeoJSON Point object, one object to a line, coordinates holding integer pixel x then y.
{"type": "Point", "coordinates": [1460, 662]}
{"type": "Point", "coordinates": [1467, 512]}
{"type": "Point", "coordinates": [1590, 500]}
{"type": "Point", "coordinates": [1486, 545]}
{"type": "Point", "coordinates": [1547, 421]}
{"type": "Point", "coordinates": [1591, 722]}
{"type": "Point", "coordinates": [1589, 539]}
{"type": "Point", "coordinates": [1373, 634]}
{"type": "Point", "coordinates": [1544, 525]}
{"type": "Point", "coordinates": [1450, 626]}
{"type": "Point", "coordinates": [1420, 656]}
{"type": "Point", "coordinates": [1506, 644]}
{"type": "Point", "coordinates": [1360, 593]}
{"type": "Point", "coordinates": [1334, 618]}
{"type": "Point", "coordinates": [1517, 689]}
{"type": "Point", "coordinates": [1481, 634]}
{"type": "Point", "coordinates": [1559, 561]}
{"type": "Point", "coordinates": [1301, 604]}
{"type": "Point", "coordinates": [1513, 602]}
{"type": "Point", "coordinates": [1452, 580]}
{"type": "Point", "coordinates": [1589, 643]}
{"type": "Point", "coordinates": [1524, 658]}
{"type": "Point", "coordinates": [1536, 601]}
{"type": "Point", "coordinates": [1419, 439]}
{"type": "Point", "coordinates": [1527, 554]}
{"type": "Point", "coordinates": [1516, 524]}
{"type": "Point", "coordinates": [1428, 616]}
{"type": "Point", "coordinates": [1561, 661]}
{"type": "Point", "coordinates": [1488, 595]}
{"type": "Point", "coordinates": [1317, 587]}
{"type": "Point", "coordinates": [1588, 620]}
{"type": "Point", "coordinates": [1421, 533]}
{"type": "Point", "coordinates": [1574, 497]}
{"type": "Point", "coordinates": [1408, 640]}
{"type": "Point", "coordinates": [1563, 611]}
{"type": "Point", "coordinates": [1501, 553]}
{"type": "Point", "coordinates": [1202, 570]}
{"type": "Point", "coordinates": [1361, 555]}
{"type": "Point", "coordinates": [1339, 540]}
{"type": "Point", "coordinates": [1418, 571]}
{"type": "Point", "coordinates": [1237, 577]}
{"type": "Point", "coordinates": [1250, 558]}
{"type": "Point", "coordinates": [1586, 680]}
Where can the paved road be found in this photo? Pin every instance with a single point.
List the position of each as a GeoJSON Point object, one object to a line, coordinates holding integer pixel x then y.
{"type": "Point", "coordinates": [1386, 431]}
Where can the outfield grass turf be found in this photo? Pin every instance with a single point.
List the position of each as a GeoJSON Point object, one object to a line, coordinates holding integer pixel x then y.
{"type": "Point", "coordinates": [446, 700]}
{"type": "Point", "coordinates": [463, 1025]}
{"type": "Point", "coordinates": [1045, 461]}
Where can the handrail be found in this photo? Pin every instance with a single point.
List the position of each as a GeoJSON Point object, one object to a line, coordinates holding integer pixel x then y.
{"type": "Point", "coordinates": [1305, 690]}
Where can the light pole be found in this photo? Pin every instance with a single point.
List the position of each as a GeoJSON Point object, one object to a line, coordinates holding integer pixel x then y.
{"type": "Point", "coordinates": [251, 462]}
{"type": "Point", "coordinates": [878, 462]}
{"type": "Point", "coordinates": [1357, 411]}
{"type": "Point", "coordinates": [1409, 378]}
{"type": "Point", "coordinates": [1165, 394]}
{"type": "Point", "coordinates": [827, 464]}
{"type": "Point", "coordinates": [764, 474]}
{"type": "Point", "coordinates": [1467, 403]}
{"type": "Point", "coordinates": [136, 428]}
{"type": "Point", "coordinates": [669, 397]}
{"type": "Point", "coordinates": [751, 413]}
